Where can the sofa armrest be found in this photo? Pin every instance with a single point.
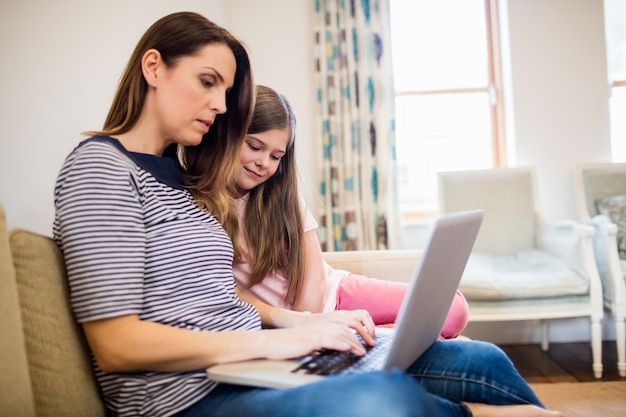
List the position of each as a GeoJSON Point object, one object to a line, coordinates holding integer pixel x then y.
{"type": "Point", "coordinates": [393, 265]}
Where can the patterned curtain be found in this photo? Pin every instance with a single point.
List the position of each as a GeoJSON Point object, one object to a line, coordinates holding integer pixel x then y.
{"type": "Point", "coordinates": [356, 114]}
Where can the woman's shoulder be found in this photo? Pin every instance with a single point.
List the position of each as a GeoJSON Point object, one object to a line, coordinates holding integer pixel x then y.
{"type": "Point", "coordinates": [99, 151]}
{"type": "Point", "coordinates": [94, 160]}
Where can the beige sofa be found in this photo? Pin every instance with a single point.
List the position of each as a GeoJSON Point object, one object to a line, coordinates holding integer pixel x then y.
{"type": "Point", "coordinates": [44, 360]}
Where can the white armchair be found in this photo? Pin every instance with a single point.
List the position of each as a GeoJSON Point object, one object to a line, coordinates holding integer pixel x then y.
{"type": "Point", "coordinates": [522, 268]}
{"type": "Point", "coordinates": [601, 192]}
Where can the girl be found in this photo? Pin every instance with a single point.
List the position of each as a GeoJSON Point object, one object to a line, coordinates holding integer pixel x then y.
{"type": "Point", "coordinates": [283, 266]}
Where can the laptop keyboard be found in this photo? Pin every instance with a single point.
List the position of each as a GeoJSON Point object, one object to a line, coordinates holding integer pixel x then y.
{"type": "Point", "coordinates": [330, 362]}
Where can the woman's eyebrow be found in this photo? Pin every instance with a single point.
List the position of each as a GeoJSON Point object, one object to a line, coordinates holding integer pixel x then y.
{"type": "Point", "coordinates": [216, 72]}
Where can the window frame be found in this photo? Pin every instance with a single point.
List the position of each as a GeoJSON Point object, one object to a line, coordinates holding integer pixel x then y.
{"type": "Point", "coordinates": [494, 91]}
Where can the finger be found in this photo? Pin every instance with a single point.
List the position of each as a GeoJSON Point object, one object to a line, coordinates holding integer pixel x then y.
{"type": "Point", "coordinates": [361, 322]}
{"type": "Point", "coordinates": [368, 322]}
{"type": "Point", "coordinates": [339, 336]}
{"type": "Point", "coordinates": [365, 334]}
{"type": "Point", "coordinates": [356, 346]}
{"type": "Point", "coordinates": [367, 325]}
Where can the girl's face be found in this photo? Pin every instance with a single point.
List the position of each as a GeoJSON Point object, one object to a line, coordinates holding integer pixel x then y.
{"type": "Point", "coordinates": [191, 94]}
{"type": "Point", "coordinates": [260, 156]}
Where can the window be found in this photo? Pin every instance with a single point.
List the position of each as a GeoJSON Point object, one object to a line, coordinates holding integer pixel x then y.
{"type": "Point", "coordinates": [449, 112]}
{"type": "Point", "coordinates": [615, 28]}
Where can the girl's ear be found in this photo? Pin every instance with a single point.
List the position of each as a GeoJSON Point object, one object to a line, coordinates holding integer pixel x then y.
{"type": "Point", "coordinates": [151, 62]}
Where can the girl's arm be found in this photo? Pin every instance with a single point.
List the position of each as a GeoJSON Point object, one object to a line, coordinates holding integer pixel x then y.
{"type": "Point", "coordinates": [273, 316]}
{"type": "Point", "coordinates": [127, 344]}
{"type": "Point", "coordinates": [313, 294]}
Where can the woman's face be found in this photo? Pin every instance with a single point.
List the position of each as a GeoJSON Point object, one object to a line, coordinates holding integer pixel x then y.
{"type": "Point", "coordinates": [260, 156]}
{"type": "Point", "coordinates": [192, 93]}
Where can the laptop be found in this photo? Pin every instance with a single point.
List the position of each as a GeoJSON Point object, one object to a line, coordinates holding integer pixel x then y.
{"type": "Point", "coordinates": [423, 311]}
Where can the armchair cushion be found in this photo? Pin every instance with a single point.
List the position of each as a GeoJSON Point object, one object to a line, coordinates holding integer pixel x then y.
{"type": "Point", "coordinates": [527, 274]}
{"type": "Point", "coordinates": [614, 207]}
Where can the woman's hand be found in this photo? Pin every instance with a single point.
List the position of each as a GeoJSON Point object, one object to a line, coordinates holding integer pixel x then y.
{"type": "Point", "coordinates": [358, 320]}
{"type": "Point", "coordinates": [334, 330]}
{"type": "Point", "coordinates": [301, 333]}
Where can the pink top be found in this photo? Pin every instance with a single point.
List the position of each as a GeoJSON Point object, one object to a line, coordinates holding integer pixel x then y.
{"type": "Point", "coordinates": [381, 298]}
{"type": "Point", "coordinates": [274, 287]}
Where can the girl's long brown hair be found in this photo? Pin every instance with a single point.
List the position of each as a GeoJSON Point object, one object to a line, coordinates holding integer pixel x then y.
{"type": "Point", "coordinates": [272, 223]}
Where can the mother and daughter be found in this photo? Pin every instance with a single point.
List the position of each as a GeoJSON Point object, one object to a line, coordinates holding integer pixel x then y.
{"type": "Point", "coordinates": [150, 267]}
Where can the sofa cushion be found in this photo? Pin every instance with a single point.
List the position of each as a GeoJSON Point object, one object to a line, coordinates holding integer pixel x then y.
{"type": "Point", "coordinates": [527, 274]}
{"type": "Point", "coordinates": [16, 396]}
{"type": "Point", "coordinates": [614, 207]}
{"type": "Point", "coordinates": [59, 361]}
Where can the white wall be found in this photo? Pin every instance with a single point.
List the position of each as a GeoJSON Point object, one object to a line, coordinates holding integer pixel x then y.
{"type": "Point", "coordinates": [559, 94]}
{"type": "Point", "coordinates": [61, 61]}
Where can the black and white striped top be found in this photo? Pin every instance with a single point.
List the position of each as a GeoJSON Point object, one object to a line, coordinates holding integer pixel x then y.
{"type": "Point", "coordinates": [134, 242]}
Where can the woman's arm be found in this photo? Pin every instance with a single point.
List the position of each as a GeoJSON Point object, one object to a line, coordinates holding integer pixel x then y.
{"type": "Point", "coordinates": [313, 294]}
{"type": "Point", "coordinates": [127, 344]}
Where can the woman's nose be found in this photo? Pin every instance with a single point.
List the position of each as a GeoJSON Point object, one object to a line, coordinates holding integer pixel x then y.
{"type": "Point", "coordinates": [218, 103]}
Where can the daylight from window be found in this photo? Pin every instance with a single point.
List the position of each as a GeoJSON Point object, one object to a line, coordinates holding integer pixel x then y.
{"type": "Point", "coordinates": [441, 77]}
{"type": "Point", "coordinates": [615, 26]}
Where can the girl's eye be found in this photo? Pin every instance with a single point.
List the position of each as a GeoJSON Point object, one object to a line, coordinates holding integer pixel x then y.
{"type": "Point", "coordinates": [206, 83]}
{"type": "Point", "coordinates": [253, 147]}
{"type": "Point", "coordinates": [276, 158]}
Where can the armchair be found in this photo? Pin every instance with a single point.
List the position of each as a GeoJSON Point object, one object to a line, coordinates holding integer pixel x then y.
{"type": "Point", "coordinates": [523, 268]}
{"type": "Point", "coordinates": [601, 192]}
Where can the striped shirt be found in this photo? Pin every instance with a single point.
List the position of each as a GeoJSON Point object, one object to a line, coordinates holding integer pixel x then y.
{"type": "Point", "coordinates": [134, 242]}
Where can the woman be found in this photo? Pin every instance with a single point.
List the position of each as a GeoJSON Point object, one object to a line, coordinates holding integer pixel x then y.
{"type": "Point", "coordinates": [150, 273]}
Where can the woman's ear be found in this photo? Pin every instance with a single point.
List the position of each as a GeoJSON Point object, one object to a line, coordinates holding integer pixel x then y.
{"type": "Point", "coordinates": [151, 62]}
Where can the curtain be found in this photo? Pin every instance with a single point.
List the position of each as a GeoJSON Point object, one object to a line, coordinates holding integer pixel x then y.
{"type": "Point", "coordinates": [355, 99]}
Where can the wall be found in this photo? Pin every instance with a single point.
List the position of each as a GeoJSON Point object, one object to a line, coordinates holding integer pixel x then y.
{"type": "Point", "coordinates": [558, 93]}
{"type": "Point", "coordinates": [61, 61]}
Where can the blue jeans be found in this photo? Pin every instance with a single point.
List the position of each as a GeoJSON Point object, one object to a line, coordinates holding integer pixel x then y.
{"type": "Point", "coordinates": [449, 373]}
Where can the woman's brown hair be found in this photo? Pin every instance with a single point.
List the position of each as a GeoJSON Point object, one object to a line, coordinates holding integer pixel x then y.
{"type": "Point", "coordinates": [175, 36]}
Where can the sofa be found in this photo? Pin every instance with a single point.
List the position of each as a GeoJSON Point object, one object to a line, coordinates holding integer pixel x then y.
{"type": "Point", "coordinates": [44, 358]}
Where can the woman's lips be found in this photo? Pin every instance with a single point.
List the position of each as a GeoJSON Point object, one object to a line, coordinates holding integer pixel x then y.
{"type": "Point", "coordinates": [206, 124]}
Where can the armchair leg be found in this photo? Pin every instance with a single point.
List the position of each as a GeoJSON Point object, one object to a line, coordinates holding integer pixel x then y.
{"type": "Point", "coordinates": [596, 346]}
{"type": "Point", "coordinates": [620, 338]}
{"type": "Point", "coordinates": [545, 335]}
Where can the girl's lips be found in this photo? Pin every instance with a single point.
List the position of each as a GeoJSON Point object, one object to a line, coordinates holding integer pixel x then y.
{"type": "Point", "coordinates": [254, 174]}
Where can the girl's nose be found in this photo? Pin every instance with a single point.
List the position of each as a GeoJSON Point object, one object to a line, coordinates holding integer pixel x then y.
{"type": "Point", "coordinates": [263, 160]}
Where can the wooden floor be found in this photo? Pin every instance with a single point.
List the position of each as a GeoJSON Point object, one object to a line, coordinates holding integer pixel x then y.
{"type": "Point", "coordinates": [563, 362]}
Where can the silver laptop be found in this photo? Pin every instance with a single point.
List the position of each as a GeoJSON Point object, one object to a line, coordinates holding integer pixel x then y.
{"type": "Point", "coordinates": [418, 324]}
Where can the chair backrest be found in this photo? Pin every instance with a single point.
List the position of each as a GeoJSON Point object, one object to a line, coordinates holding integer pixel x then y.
{"type": "Point", "coordinates": [507, 196]}
{"type": "Point", "coordinates": [58, 358]}
{"type": "Point", "coordinates": [595, 181]}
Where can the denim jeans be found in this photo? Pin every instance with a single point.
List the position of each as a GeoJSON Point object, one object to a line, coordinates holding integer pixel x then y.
{"type": "Point", "coordinates": [449, 373]}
